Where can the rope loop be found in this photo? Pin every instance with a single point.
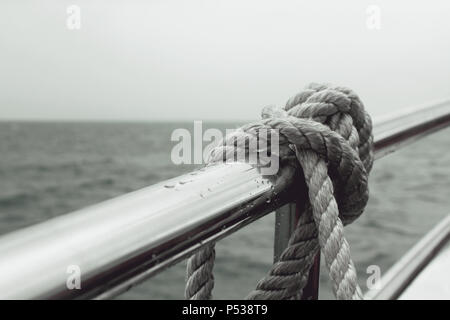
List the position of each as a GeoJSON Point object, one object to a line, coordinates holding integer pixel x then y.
{"type": "Point", "coordinates": [327, 131]}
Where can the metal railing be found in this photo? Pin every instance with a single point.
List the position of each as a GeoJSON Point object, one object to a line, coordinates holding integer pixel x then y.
{"type": "Point", "coordinates": [404, 271]}
{"type": "Point", "coordinates": [121, 242]}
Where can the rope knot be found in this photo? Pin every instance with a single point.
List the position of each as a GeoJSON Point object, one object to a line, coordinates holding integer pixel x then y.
{"type": "Point", "coordinates": [326, 129]}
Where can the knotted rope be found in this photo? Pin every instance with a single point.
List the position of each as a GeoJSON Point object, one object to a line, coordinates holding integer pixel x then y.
{"type": "Point", "coordinates": [330, 134]}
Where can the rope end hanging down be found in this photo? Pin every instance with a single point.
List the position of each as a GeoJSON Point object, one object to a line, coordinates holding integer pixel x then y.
{"type": "Point", "coordinates": [327, 131]}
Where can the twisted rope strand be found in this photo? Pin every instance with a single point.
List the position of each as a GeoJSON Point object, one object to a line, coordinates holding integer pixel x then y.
{"type": "Point", "coordinates": [330, 228]}
{"type": "Point", "coordinates": [200, 279]}
{"type": "Point", "coordinates": [294, 263]}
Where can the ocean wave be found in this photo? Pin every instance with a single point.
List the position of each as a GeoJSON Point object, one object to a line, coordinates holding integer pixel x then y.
{"type": "Point", "coordinates": [51, 166]}
{"type": "Point", "coordinates": [36, 195]}
{"type": "Point", "coordinates": [17, 199]}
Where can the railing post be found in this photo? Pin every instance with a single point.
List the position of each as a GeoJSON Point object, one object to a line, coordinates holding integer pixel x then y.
{"type": "Point", "coordinates": [284, 226]}
{"type": "Point", "coordinates": [285, 222]}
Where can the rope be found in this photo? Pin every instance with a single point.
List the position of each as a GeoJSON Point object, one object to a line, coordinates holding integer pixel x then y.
{"type": "Point", "coordinates": [327, 131]}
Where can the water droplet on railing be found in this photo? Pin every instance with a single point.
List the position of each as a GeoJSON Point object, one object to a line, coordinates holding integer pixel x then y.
{"type": "Point", "coordinates": [169, 185]}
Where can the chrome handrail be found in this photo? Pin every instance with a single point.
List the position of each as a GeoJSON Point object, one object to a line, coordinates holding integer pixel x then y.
{"type": "Point", "coordinates": [121, 242]}
{"type": "Point", "coordinates": [404, 271]}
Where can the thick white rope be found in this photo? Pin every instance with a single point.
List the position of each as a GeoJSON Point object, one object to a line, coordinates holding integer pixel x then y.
{"type": "Point", "coordinates": [330, 134]}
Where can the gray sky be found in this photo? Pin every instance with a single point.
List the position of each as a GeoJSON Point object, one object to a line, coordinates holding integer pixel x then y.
{"type": "Point", "coordinates": [185, 60]}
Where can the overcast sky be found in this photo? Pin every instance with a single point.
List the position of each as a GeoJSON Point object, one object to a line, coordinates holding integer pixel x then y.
{"type": "Point", "coordinates": [224, 60]}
